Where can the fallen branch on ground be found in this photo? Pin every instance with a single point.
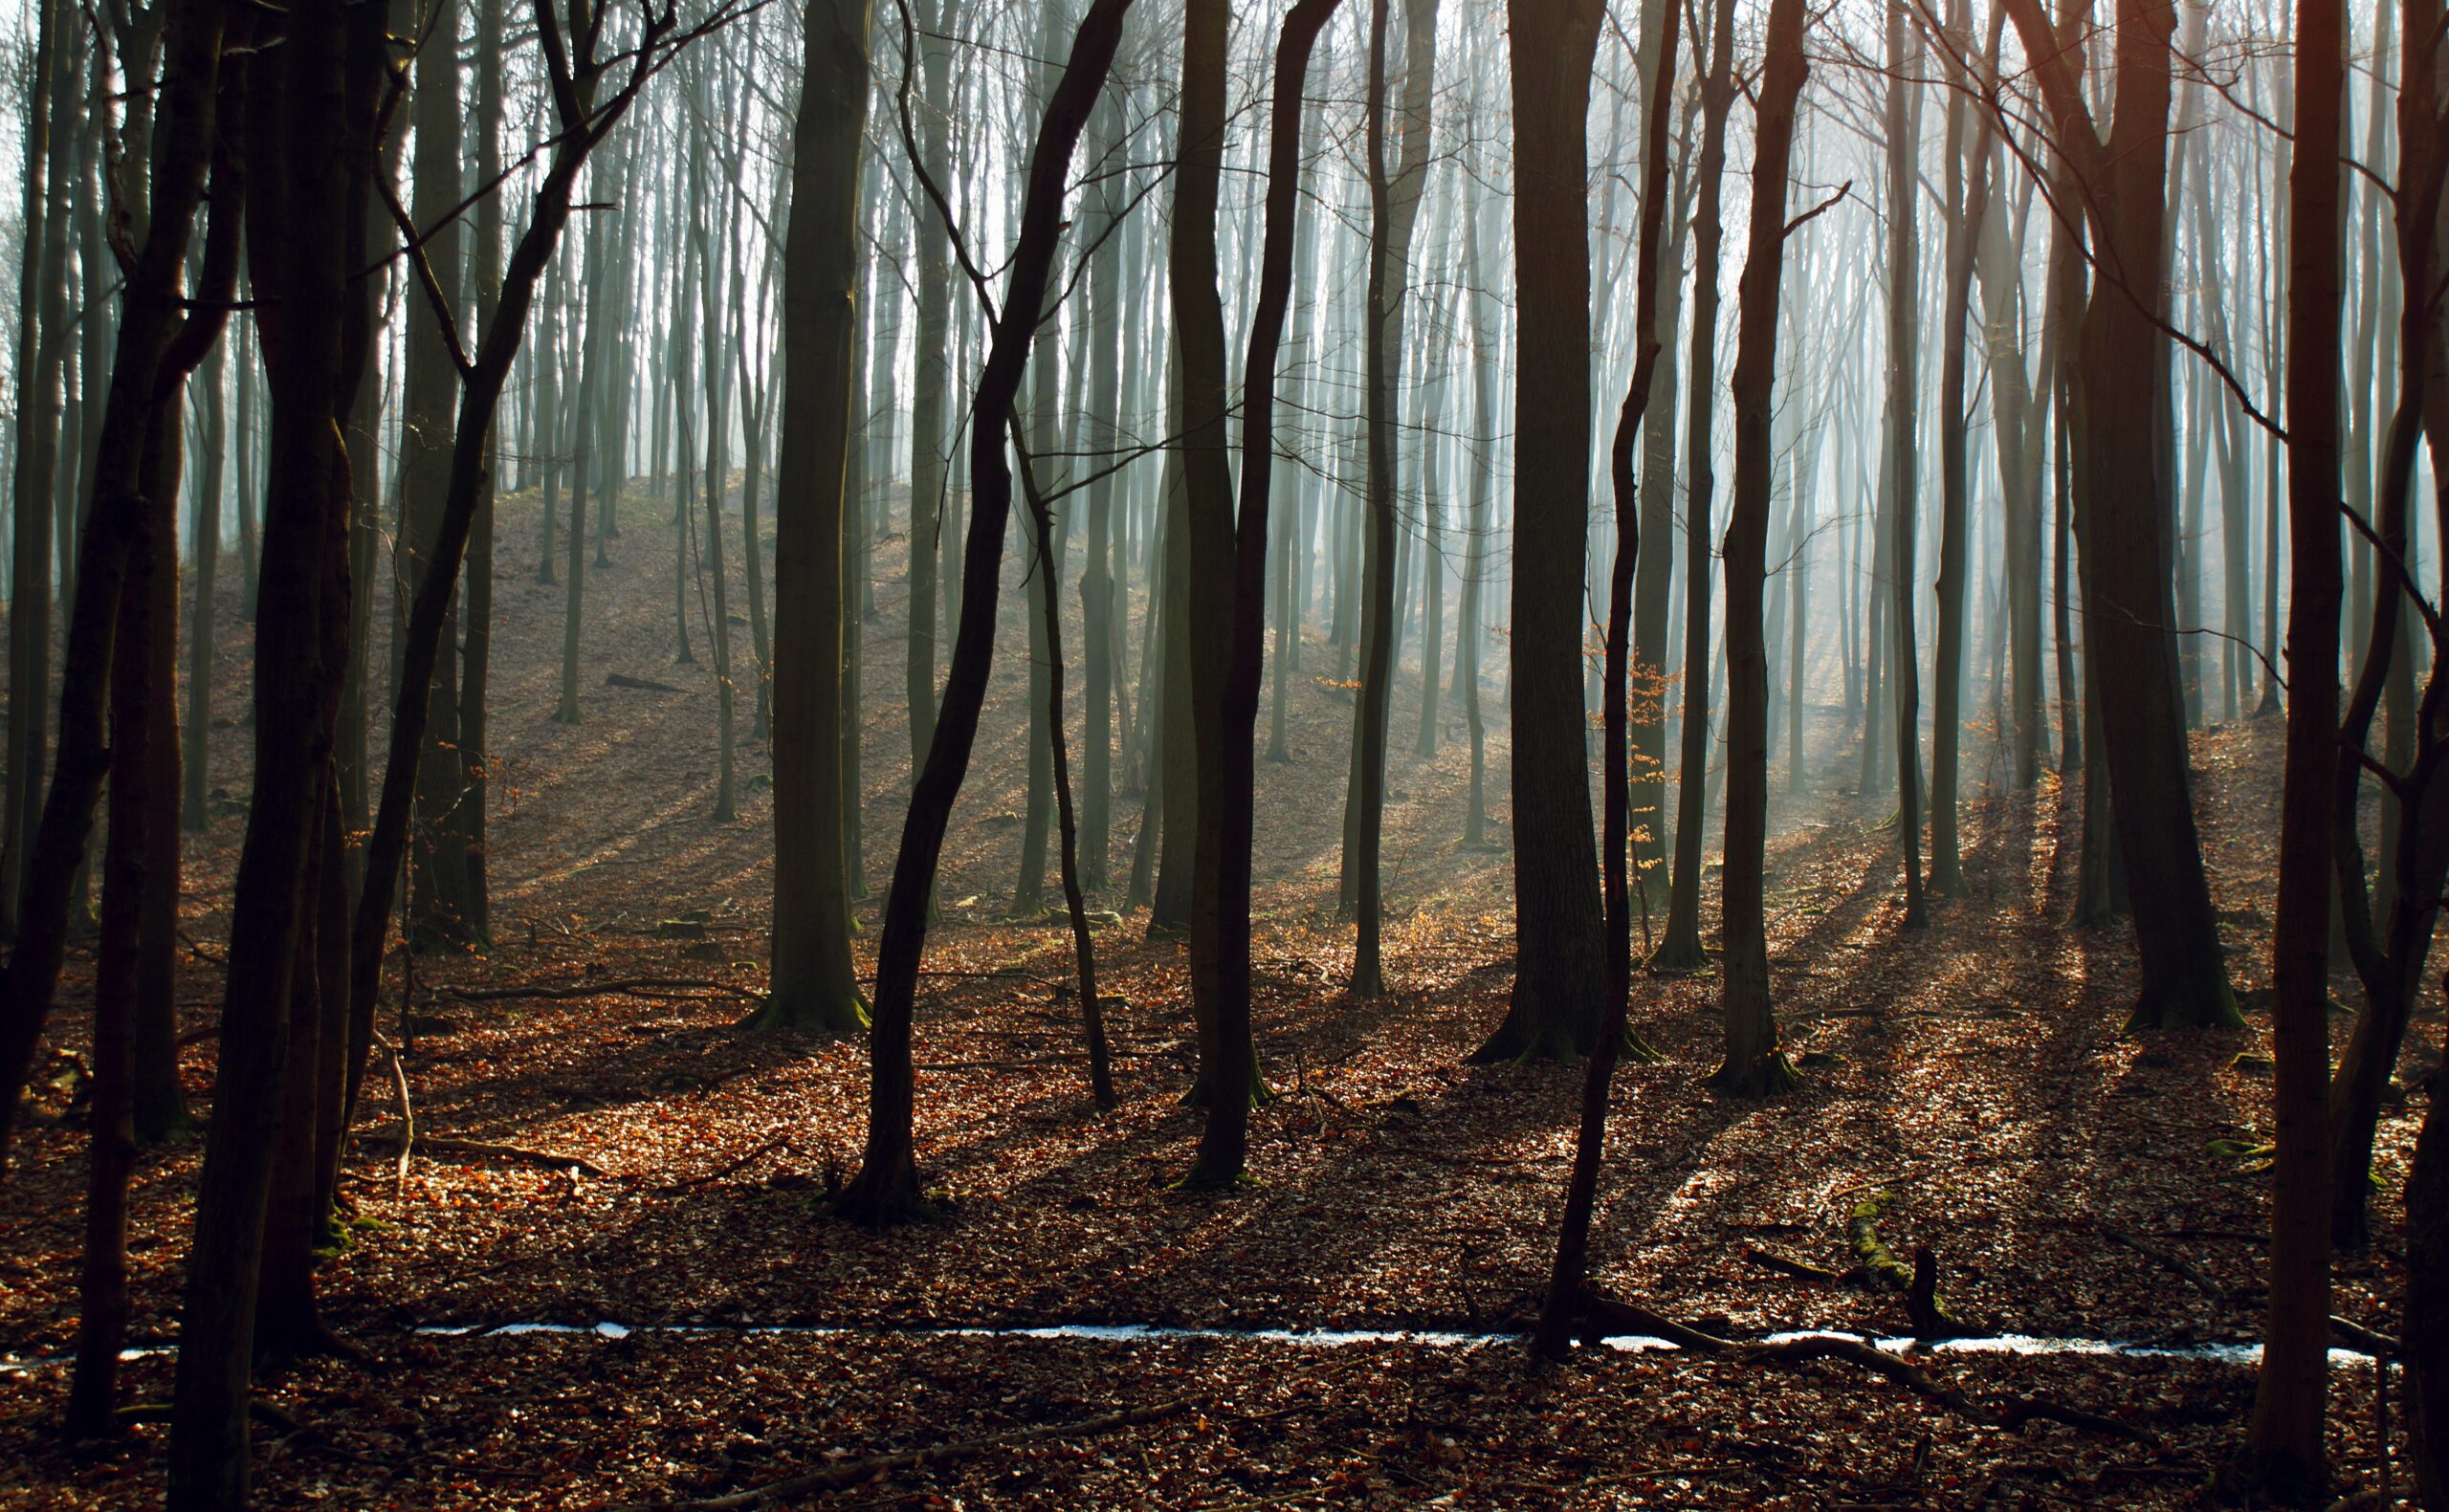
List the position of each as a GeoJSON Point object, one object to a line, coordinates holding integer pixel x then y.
{"type": "Point", "coordinates": [551, 1160]}
{"type": "Point", "coordinates": [728, 1168]}
{"type": "Point", "coordinates": [261, 1411]}
{"type": "Point", "coordinates": [628, 986]}
{"type": "Point", "coordinates": [2193, 1275]}
{"type": "Point", "coordinates": [1768, 1259]}
{"type": "Point", "coordinates": [1605, 1316]}
{"type": "Point", "coordinates": [854, 1472]}
{"type": "Point", "coordinates": [2344, 1334]}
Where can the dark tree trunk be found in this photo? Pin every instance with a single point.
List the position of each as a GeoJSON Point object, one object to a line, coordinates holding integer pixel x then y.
{"type": "Point", "coordinates": [886, 1188]}
{"type": "Point", "coordinates": [2414, 825]}
{"type": "Point", "coordinates": [157, 348]}
{"type": "Point", "coordinates": [931, 387]}
{"type": "Point", "coordinates": [1221, 923]}
{"type": "Point", "coordinates": [439, 915]}
{"type": "Point", "coordinates": [1967, 174]}
{"type": "Point", "coordinates": [2284, 1452]}
{"type": "Point", "coordinates": [1904, 478]}
{"type": "Point", "coordinates": [815, 982]}
{"type": "Point", "coordinates": [481, 387]}
{"type": "Point", "coordinates": [1754, 1065]}
{"type": "Point", "coordinates": [1560, 986]}
{"type": "Point", "coordinates": [2120, 496]}
{"type": "Point", "coordinates": [41, 299]}
{"type": "Point", "coordinates": [1573, 1237]}
{"type": "Point", "coordinates": [1394, 209]}
{"type": "Point", "coordinates": [298, 105]}
{"type": "Point", "coordinates": [1679, 948]}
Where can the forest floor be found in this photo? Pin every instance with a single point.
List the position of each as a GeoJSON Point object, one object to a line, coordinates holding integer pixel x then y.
{"type": "Point", "coordinates": [1975, 1071]}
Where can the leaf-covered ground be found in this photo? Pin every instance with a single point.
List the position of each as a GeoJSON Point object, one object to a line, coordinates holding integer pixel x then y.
{"type": "Point", "coordinates": [1973, 1072]}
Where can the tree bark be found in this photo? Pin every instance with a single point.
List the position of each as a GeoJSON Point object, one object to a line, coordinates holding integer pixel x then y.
{"type": "Point", "coordinates": [886, 1190]}
{"type": "Point", "coordinates": [1559, 988]}
{"type": "Point", "coordinates": [1573, 1237]}
{"type": "Point", "coordinates": [298, 105]}
{"type": "Point", "coordinates": [1679, 948]}
{"type": "Point", "coordinates": [2284, 1452]}
{"type": "Point", "coordinates": [815, 981]}
{"type": "Point", "coordinates": [1754, 1065]}
{"type": "Point", "coordinates": [2120, 497]}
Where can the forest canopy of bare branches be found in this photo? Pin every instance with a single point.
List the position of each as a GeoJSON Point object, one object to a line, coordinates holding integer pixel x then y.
{"type": "Point", "coordinates": [1683, 752]}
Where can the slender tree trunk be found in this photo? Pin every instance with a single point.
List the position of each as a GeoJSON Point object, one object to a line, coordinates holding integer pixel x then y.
{"type": "Point", "coordinates": [1572, 1240]}
{"type": "Point", "coordinates": [475, 678]}
{"type": "Point", "coordinates": [42, 299]}
{"type": "Point", "coordinates": [1486, 340]}
{"type": "Point", "coordinates": [1903, 479]}
{"type": "Point", "coordinates": [1680, 947]}
{"type": "Point", "coordinates": [2127, 607]}
{"type": "Point", "coordinates": [158, 346]}
{"type": "Point", "coordinates": [931, 261]}
{"type": "Point", "coordinates": [439, 914]}
{"type": "Point", "coordinates": [196, 739]}
{"type": "Point", "coordinates": [2414, 825]}
{"type": "Point", "coordinates": [886, 1188]}
{"type": "Point", "coordinates": [1967, 174]}
{"type": "Point", "coordinates": [2284, 1449]}
{"type": "Point", "coordinates": [1754, 1065]}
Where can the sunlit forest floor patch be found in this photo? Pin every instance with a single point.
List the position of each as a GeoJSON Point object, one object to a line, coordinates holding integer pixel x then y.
{"type": "Point", "coordinates": [631, 1157]}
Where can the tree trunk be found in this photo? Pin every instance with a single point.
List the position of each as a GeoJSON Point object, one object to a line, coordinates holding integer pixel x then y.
{"type": "Point", "coordinates": [42, 299]}
{"type": "Point", "coordinates": [157, 348]}
{"type": "Point", "coordinates": [815, 982]}
{"type": "Point", "coordinates": [439, 915]}
{"type": "Point", "coordinates": [2120, 495]}
{"type": "Point", "coordinates": [1394, 209]}
{"type": "Point", "coordinates": [2284, 1452]}
{"type": "Point", "coordinates": [931, 387]}
{"type": "Point", "coordinates": [1967, 174]}
{"type": "Point", "coordinates": [886, 1190]}
{"type": "Point", "coordinates": [1904, 478]}
{"type": "Point", "coordinates": [2415, 824]}
{"type": "Point", "coordinates": [1573, 1238]}
{"type": "Point", "coordinates": [299, 104]}
{"type": "Point", "coordinates": [1559, 988]}
{"type": "Point", "coordinates": [1754, 1065]}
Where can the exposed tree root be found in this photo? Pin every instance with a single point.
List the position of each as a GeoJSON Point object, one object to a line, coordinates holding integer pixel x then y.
{"type": "Point", "coordinates": [885, 1197]}
{"type": "Point", "coordinates": [816, 1011]}
{"type": "Point", "coordinates": [552, 1160]}
{"type": "Point", "coordinates": [854, 1472]}
{"type": "Point", "coordinates": [728, 1168]}
{"type": "Point", "coordinates": [1771, 1075]}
